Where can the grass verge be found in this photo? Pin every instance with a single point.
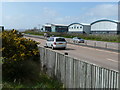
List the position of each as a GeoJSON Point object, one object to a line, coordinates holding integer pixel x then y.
{"type": "Point", "coordinates": [43, 82]}
{"type": "Point", "coordinates": [100, 37]}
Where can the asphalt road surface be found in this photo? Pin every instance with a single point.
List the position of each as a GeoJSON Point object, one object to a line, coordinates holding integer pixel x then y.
{"type": "Point", "coordinates": [102, 58]}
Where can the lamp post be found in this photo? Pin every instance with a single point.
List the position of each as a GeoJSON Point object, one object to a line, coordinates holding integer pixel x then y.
{"type": "Point", "coordinates": [39, 27]}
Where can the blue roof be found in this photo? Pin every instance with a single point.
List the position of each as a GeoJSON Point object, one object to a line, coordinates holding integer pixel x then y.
{"type": "Point", "coordinates": [104, 20]}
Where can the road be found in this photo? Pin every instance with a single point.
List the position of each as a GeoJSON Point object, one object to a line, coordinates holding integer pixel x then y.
{"type": "Point", "coordinates": [99, 57]}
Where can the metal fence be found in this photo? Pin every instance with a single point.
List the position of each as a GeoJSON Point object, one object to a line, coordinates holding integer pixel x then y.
{"type": "Point", "coordinates": [75, 73]}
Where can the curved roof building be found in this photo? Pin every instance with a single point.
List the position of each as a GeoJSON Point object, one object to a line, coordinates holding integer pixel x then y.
{"type": "Point", "coordinates": [104, 26]}
{"type": "Point", "coordinates": [79, 28]}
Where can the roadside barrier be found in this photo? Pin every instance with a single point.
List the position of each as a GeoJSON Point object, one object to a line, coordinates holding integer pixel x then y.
{"type": "Point", "coordinates": [90, 43]}
{"type": "Point", "coordinates": [74, 73]}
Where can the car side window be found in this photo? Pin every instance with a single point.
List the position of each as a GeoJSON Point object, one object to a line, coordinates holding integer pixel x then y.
{"type": "Point", "coordinates": [51, 39]}
{"type": "Point", "coordinates": [79, 38]}
{"type": "Point", "coordinates": [48, 39]}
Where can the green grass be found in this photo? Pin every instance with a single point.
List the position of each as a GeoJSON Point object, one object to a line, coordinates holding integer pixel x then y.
{"type": "Point", "coordinates": [43, 82]}
{"type": "Point", "coordinates": [102, 37]}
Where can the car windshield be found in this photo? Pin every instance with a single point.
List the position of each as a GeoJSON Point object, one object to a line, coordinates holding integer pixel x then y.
{"type": "Point", "coordinates": [60, 40]}
{"type": "Point", "coordinates": [50, 39]}
{"type": "Point", "coordinates": [78, 38]}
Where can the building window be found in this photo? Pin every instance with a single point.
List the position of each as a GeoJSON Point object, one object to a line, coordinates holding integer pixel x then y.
{"type": "Point", "coordinates": [74, 27]}
{"type": "Point", "coordinates": [80, 27]}
{"type": "Point", "coordinates": [77, 27]}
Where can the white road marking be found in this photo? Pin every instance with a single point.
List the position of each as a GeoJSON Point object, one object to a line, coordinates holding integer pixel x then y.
{"type": "Point", "coordinates": [111, 60]}
{"type": "Point", "coordinates": [107, 51]}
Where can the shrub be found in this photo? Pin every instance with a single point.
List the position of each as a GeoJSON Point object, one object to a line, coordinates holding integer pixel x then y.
{"type": "Point", "coordinates": [20, 57]}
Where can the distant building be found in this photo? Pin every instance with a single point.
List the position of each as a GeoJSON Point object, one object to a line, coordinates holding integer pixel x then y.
{"type": "Point", "coordinates": [55, 28]}
{"type": "Point", "coordinates": [1, 28]}
{"type": "Point", "coordinates": [59, 28]}
{"type": "Point", "coordinates": [105, 27]}
{"type": "Point", "coordinates": [46, 28]}
{"type": "Point", "coordinates": [79, 28]}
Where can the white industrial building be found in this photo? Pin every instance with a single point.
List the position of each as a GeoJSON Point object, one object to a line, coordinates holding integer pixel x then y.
{"type": "Point", "coordinates": [105, 27]}
{"type": "Point", "coordinates": [46, 28]}
{"type": "Point", "coordinates": [59, 28]}
{"type": "Point", "coordinates": [55, 28]}
{"type": "Point", "coordinates": [79, 28]}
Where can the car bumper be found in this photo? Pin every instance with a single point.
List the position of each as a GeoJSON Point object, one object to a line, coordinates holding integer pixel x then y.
{"type": "Point", "coordinates": [80, 41]}
{"type": "Point", "coordinates": [59, 46]}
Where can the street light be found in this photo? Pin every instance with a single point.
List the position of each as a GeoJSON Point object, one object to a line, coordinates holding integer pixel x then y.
{"type": "Point", "coordinates": [39, 27]}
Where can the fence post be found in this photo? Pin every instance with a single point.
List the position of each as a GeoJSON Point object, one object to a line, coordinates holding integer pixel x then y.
{"type": "Point", "coordinates": [94, 44]}
{"type": "Point", "coordinates": [86, 43]}
{"type": "Point", "coordinates": [106, 45]}
{"type": "Point", "coordinates": [75, 73]}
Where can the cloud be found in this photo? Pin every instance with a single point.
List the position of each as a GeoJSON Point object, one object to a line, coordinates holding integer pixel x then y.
{"type": "Point", "coordinates": [51, 15]}
{"type": "Point", "coordinates": [14, 21]}
{"type": "Point", "coordinates": [29, 21]}
{"type": "Point", "coordinates": [49, 12]}
{"type": "Point", "coordinates": [103, 11]}
{"type": "Point", "coordinates": [47, 15]}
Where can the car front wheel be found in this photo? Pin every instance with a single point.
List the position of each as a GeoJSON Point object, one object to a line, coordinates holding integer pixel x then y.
{"type": "Point", "coordinates": [46, 45]}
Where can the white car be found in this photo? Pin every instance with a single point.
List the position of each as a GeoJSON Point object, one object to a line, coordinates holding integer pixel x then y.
{"type": "Point", "coordinates": [78, 40]}
{"type": "Point", "coordinates": [56, 42]}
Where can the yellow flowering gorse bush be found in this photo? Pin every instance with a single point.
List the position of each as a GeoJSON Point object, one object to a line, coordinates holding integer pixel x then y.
{"type": "Point", "coordinates": [16, 51]}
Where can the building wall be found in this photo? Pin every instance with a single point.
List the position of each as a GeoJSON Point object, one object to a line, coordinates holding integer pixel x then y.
{"type": "Point", "coordinates": [79, 28]}
{"type": "Point", "coordinates": [43, 27]}
{"type": "Point", "coordinates": [59, 28]}
{"type": "Point", "coordinates": [104, 26]}
{"type": "Point", "coordinates": [118, 28]}
{"type": "Point", "coordinates": [75, 28]}
{"type": "Point", "coordinates": [87, 29]}
{"type": "Point", "coordinates": [52, 28]}
{"type": "Point", "coordinates": [46, 28]}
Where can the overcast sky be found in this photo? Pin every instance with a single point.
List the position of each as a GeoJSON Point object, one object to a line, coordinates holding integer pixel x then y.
{"type": "Point", "coordinates": [25, 15]}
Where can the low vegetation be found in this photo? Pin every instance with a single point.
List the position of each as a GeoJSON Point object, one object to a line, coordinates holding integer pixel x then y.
{"type": "Point", "coordinates": [21, 67]}
{"type": "Point", "coordinates": [43, 82]}
{"type": "Point", "coordinates": [102, 37]}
